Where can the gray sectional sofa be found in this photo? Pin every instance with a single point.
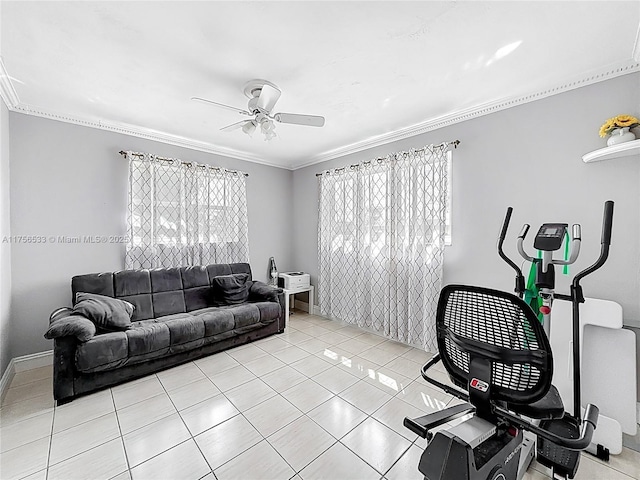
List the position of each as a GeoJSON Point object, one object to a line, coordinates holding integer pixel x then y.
{"type": "Point", "coordinates": [177, 318]}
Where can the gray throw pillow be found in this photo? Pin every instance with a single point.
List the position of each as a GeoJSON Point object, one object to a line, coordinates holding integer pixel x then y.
{"type": "Point", "coordinates": [230, 289]}
{"type": "Point", "coordinates": [73, 325]}
{"type": "Point", "coordinates": [108, 313]}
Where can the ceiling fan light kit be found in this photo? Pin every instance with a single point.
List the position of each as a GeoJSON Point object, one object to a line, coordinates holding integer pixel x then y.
{"type": "Point", "coordinates": [263, 96]}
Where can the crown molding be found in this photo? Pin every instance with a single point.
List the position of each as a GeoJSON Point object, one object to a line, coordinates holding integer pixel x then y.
{"type": "Point", "coordinates": [146, 133]}
{"type": "Point", "coordinates": [11, 99]}
{"type": "Point", "coordinates": [600, 75]}
{"type": "Point", "coordinates": [7, 92]}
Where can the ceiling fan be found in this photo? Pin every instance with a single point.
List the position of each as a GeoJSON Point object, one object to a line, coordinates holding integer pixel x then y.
{"type": "Point", "coordinates": [263, 96]}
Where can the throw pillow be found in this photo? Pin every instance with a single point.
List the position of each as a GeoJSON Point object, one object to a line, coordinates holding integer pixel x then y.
{"type": "Point", "coordinates": [230, 289]}
{"type": "Point", "coordinates": [80, 327]}
{"type": "Point", "coordinates": [108, 313]}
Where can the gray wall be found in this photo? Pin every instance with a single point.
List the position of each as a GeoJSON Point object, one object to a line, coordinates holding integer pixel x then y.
{"type": "Point", "coordinates": [70, 180]}
{"type": "Point", "coordinates": [528, 157]}
{"type": "Point", "coordinates": [5, 248]}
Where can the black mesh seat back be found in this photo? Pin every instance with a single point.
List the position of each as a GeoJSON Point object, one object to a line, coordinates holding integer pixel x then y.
{"type": "Point", "coordinates": [500, 327]}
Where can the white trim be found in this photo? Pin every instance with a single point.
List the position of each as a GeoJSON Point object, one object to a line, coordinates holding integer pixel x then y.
{"type": "Point", "coordinates": [12, 101]}
{"type": "Point", "coordinates": [142, 132]}
{"type": "Point", "coordinates": [7, 376]}
{"type": "Point", "coordinates": [7, 92]}
{"type": "Point", "coordinates": [35, 360]}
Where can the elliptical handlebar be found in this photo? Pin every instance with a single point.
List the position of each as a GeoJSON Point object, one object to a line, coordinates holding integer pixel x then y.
{"type": "Point", "coordinates": [605, 242]}
{"type": "Point", "coordinates": [607, 223]}
{"type": "Point", "coordinates": [520, 243]}
{"type": "Point", "coordinates": [520, 284]}
{"type": "Point", "coordinates": [577, 298]}
{"type": "Point", "coordinates": [456, 392]}
{"type": "Point", "coordinates": [586, 433]}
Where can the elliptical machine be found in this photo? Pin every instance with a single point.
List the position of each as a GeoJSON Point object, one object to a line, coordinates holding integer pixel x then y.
{"type": "Point", "coordinates": [499, 359]}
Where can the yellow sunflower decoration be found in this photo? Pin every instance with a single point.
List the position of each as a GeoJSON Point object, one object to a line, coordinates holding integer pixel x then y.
{"type": "Point", "coordinates": [618, 122]}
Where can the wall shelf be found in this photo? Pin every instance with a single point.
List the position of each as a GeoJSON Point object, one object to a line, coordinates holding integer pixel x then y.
{"type": "Point", "coordinates": [614, 151]}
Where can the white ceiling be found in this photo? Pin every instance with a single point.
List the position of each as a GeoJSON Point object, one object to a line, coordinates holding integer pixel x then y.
{"type": "Point", "coordinates": [375, 70]}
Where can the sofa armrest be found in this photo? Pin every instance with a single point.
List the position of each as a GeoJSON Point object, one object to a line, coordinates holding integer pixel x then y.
{"type": "Point", "coordinates": [260, 291]}
{"type": "Point", "coordinates": [63, 323]}
{"type": "Point", "coordinates": [64, 358]}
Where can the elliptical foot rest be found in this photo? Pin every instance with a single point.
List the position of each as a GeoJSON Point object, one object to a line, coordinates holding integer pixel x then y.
{"type": "Point", "coordinates": [547, 408]}
{"type": "Point", "coordinates": [563, 461]}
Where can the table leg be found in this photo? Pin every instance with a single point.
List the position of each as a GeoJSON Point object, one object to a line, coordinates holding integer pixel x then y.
{"type": "Point", "coordinates": [286, 310]}
{"type": "Point", "coordinates": [311, 299]}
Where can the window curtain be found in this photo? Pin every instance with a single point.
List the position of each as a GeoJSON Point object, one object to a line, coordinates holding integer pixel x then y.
{"type": "Point", "coordinates": [182, 214]}
{"type": "Point", "coordinates": [381, 240]}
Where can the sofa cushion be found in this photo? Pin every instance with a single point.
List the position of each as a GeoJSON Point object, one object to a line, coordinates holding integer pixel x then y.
{"type": "Point", "coordinates": [193, 277]}
{"type": "Point", "coordinates": [131, 282]}
{"type": "Point", "coordinates": [244, 315]}
{"type": "Point", "coordinates": [102, 352]}
{"type": "Point", "coordinates": [216, 320]}
{"type": "Point", "coordinates": [197, 298]}
{"type": "Point", "coordinates": [143, 306]}
{"type": "Point", "coordinates": [219, 269]}
{"type": "Point", "coordinates": [165, 279]}
{"type": "Point", "coordinates": [108, 314]}
{"type": "Point", "coordinates": [148, 336]}
{"type": "Point", "coordinates": [230, 289]}
{"type": "Point", "coordinates": [168, 303]}
{"type": "Point", "coordinates": [184, 329]}
{"type": "Point", "coordinates": [100, 283]}
{"type": "Point", "coordinates": [269, 311]}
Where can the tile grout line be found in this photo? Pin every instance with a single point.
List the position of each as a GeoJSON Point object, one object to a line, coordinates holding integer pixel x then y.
{"type": "Point", "coordinates": [338, 440]}
{"type": "Point", "coordinates": [249, 422]}
{"type": "Point", "coordinates": [191, 436]}
{"type": "Point", "coordinates": [53, 422]}
{"type": "Point", "coordinates": [284, 426]}
{"type": "Point", "coordinates": [124, 448]}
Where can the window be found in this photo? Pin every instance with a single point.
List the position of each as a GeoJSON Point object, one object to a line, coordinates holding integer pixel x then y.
{"type": "Point", "coordinates": [184, 214]}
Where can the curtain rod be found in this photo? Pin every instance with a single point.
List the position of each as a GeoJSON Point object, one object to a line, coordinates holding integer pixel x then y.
{"type": "Point", "coordinates": [165, 159]}
{"type": "Point", "coordinates": [455, 144]}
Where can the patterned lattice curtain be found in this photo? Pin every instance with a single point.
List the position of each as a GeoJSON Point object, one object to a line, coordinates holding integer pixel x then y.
{"type": "Point", "coordinates": [183, 213]}
{"type": "Point", "coordinates": [381, 237]}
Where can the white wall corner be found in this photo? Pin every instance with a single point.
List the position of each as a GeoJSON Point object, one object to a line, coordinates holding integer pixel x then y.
{"type": "Point", "coordinates": [636, 47]}
{"type": "Point", "coordinates": [7, 92]}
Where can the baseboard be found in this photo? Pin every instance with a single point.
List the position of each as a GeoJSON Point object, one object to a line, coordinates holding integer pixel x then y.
{"type": "Point", "coordinates": [35, 360]}
{"type": "Point", "coordinates": [7, 376]}
{"type": "Point", "coordinates": [22, 364]}
{"type": "Point", "coordinates": [299, 304]}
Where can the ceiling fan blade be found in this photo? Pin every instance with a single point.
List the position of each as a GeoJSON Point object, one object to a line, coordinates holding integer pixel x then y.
{"type": "Point", "coordinates": [297, 119]}
{"type": "Point", "coordinates": [234, 126]}
{"type": "Point", "coordinates": [268, 97]}
{"type": "Point", "coordinates": [228, 107]}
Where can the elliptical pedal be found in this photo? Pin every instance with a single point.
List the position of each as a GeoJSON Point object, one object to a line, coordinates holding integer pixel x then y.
{"type": "Point", "coordinates": [562, 461]}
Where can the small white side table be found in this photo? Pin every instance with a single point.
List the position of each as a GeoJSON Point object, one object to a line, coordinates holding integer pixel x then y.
{"type": "Point", "coordinates": [294, 292]}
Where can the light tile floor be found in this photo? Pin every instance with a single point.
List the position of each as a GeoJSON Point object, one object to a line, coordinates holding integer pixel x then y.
{"type": "Point", "coordinates": [322, 400]}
